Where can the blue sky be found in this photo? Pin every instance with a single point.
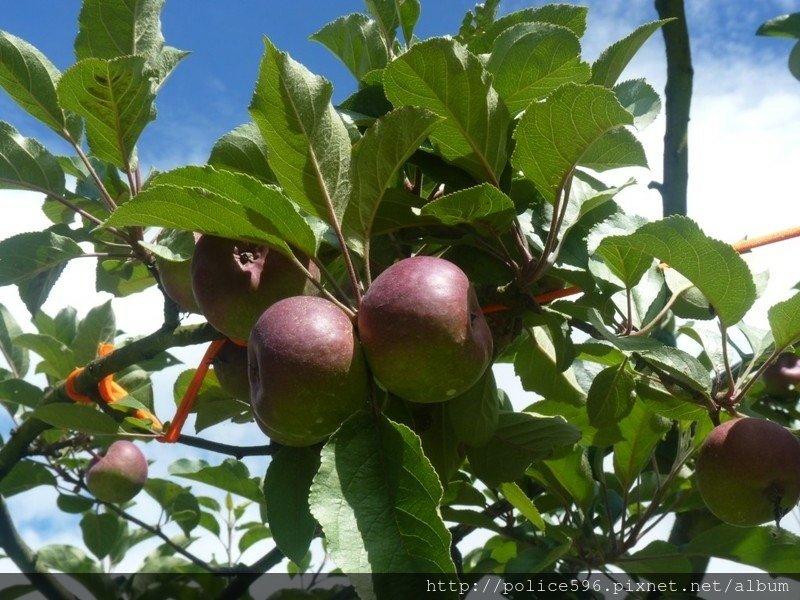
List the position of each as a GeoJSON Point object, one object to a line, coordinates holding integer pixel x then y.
{"type": "Point", "coordinates": [743, 140]}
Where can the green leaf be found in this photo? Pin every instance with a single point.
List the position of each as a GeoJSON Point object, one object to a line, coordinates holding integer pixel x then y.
{"type": "Point", "coordinates": [484, 206]}
{"type": "Point", "coordinates": [76, 417]}
{"type": "Point", "coordinates": [34, 291]}
{"type": "Point", "coordinates": [784, 321]}
{"type": "Point", "coordinates": [30, 79]}
{"type": "Point", "coordinates": [223, 203]}
{"type": "Point", "coordinates": [19, 391]}
{"type": "Point", "coordinates": [554, 135]}
{"type": "Point", "coordinates": [115, 97]}
{"type": "Point", "coordinates": [569, 477]}
{"type": "Point", "coordinates": [100, 532]}
{"type": "Point", "coordinates": [27, 165]}
{"type": "Point", "coordinates": [571, 17]}
{"type": "Point", "coordinates": [782, 26]}
{"type": "Point", "coordinates": [391, 13]}
{"type": "Point", "coordinates": [441, 75]}
{"type": "Point", "coordinates": [377, 499]}
{"type": "Point", "coordinates": [794, 61]}
{"type": "Point", "coordinates": [475, 413]}
{"type": "Point", "coordinates": [536, 364]}
{"type": "Point", "coordinates": [231, 475]}
{"type": "Point", "coordinates": [440, 444]}
{"type": "Point", "coordinates": [613, 60]}
{"type": "Point", "coordinates": [640, 99]}
{"type": "Point", "coordinates": [74, 504]}
{"type": "Point", "coordinates": [67, 559]}
{"type": "Point", "coordinates": [24, 476]}
{"type": "Point", "coordinates": [255, 534]}
{"type": "Point", "coordinates": [522, 503]}
{"type": "Point", "coordinates": [769, 548]}
{"type": "Point", "coordinates": [243, 150]}
{"type": "Point", "coordinates": [286, 488]}
{"type": "Point", "coordinates": [377, 160]}
{"type": "Point", "coordinates": [626, 263]}
{"type": "Point", "coordinates": [615, 149]}
{"type": "Point", "coordinates": [185, 511]}
{"type": "Point", "coordinates": [57, 359]}
{"type": "Point", "coordinates": [713, 266]}
{"type": "Point", "coordinates": [356, 40]}
{"type": "Point", "coordinates": [409, 15]}
{"type": "Point", "coordinates": [122, 277]}
{"type": "Point", "coordinates": [113, 28]}
{"type": "Point", "coordinates": [26, 255]}
{"type": "Point", "coordinates": [610, 397]}
{"type": "Point", "coordinates": [309, 145]}
{"type": "Point", "coordinates": [642, 430]}
{"type": "Point", "coordinates": [530, 60]}
{"type": "Point", "coordinates": [99, 326]}
{"type": "Point", "coordinates": [519, 440]}
{"type": "Point", "coordinates": [679, 364]}
{"type": "Point", "coordinates": [656, 557]}
{"type": "Point", "coordinates": [17, 358]}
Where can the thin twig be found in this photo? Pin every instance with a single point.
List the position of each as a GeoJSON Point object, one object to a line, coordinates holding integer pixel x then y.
{"type": "Point", "coordinates": [235, 451]}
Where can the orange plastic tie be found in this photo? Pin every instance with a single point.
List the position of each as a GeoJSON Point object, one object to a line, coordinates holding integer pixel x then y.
{"type": "Point", "coordinates": [189, 398]}
{"type": "Point", "coordinates": [72, 391]}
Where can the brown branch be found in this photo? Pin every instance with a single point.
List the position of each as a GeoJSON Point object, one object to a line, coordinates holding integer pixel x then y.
{"type": "Point", "coordinates": [237, 452]}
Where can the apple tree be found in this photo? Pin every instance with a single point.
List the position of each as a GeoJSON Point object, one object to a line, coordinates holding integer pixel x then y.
{"type": "Point", "coordinates": [362, 268]}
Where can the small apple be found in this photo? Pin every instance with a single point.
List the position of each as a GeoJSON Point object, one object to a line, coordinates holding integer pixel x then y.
{"type": "Point", "coordinates": [307, 370]}
{"type": "Point", "coordinates": [424, 335]}
{"type": "Point", "coordinates": [782, 377]}
{"type": "Point", "coordinates": [119, 474]}
{"type": "Point", "coordinates": [748, 471]}
{"type": "Point", "coordinates": [234, 282]}
{"type": "Point", "coordinates": [175, 267]}
{"type": "Point", "coordinates": [230, 367]}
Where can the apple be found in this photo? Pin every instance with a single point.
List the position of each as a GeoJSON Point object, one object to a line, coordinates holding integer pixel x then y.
{"type": "Point", "coordinates": [176, 274]}
{"type": "Point", "coordinates": [234, 282]}
{"type": "Point", "coordinates": [230, 367]}
{"type": "Point", "coordinates": [307, 370]}
{"type": "Point", "coordinates": [423, 332]}
{"type": "Point", "coordinates": [782, 377]}
{"type": "Point", "coordinates": [119, 474]}
{"type": "Point", "coordinates": [748, 471]}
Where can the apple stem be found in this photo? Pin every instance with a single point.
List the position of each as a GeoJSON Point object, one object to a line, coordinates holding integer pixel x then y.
{"type": "Point", "coordinates": [350, 313]}
{"type": "Point", "coordinates": [189, 398]}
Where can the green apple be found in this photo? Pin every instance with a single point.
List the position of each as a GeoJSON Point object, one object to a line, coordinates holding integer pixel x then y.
{"type": "Point", "coordinates": [119, 474]}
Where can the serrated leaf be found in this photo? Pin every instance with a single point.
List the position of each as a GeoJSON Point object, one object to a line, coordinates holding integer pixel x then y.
{"type": "Point", "coordinates": [679, 364]}
{"type": "Point", "coordinates": [122, 277]}
{"type": "Point", "coordinates": [391, 13]}
{"type": "Point", "coordinates": [19, 391]}
{"type": "Point", "coordinates": [377, 160]}
{"type": "Point", "coordinates": [16, 357]}
{"type": "Point", "coordinates": [613, 60]}
{"type": "Point", "coordinates": [185, 511]}
{"type": "Point", "coordinates": [100, 532]}
{"type": "Point", "coordinates": [286, 487]}
{"type": "Point", "coordinates": [656, 557]}
{"type": "Point", "coordinates": [530, 60]}
{"type": "Point", "coordinates": [309, 144]}
{"type": "Point", "coordinates": [376, 497]}
{"type": "Point", "coordinates": [627, 263]}
{"type": "Point", "coordinates": [784, 321]}
{"type": "Point", "coordinates": [554, 135]}
{"type": "Point", "coordinates": [640, 99]}
{"type": "Point", "coordinates": [115, 97]}
{"type": "Point", "coordinates": [569, 477]}
{"type": "Point", "coordinates": [484, 206]}
{"type": "Point", "coordinates": [409, 15]}
{"type": "Point", "coordinates": [769, 548]}
{"type": "Point", "coordinates": [26, 255]}
{"type": "Point", "coordinates": [30, 79]}
{"type": "Point", "coordinates": [244, 150]}
{"type": "Point", "coordinates": [519, 440]}
{"type": "Point", "coordinates": [99, 326]}
{"type": "Point", "coordinates": [223, 203]}
{"type": "Point", "coordinates": [522, 503]}
{"type": "Point", "coordinates": [34, 291]}
{"type": "Point", "coordinates": [67, 559]}
{"type": "Point", "coordinates": [474, 414]}
{"type": "Point", "coordinates": [610, 397]}
{"type": "Point", "coordinates": [535, 364]}
{"type": "Point", "coordinates": [27, 165]}
{"type": "Point", "coordinates": [57, 358]}
{"type": "Point", "coordinates": [713, 266]}
{"type": "Point", "coordinates": [356, 40]}
{"type": "Point", "coordinates": [615, 149]}
{"type": "Point", "coordinates": [253, 535]}
{"type": "Point", "coordinates": [76, 417]}
{"type": "Point", "coordinates": [231, 475]}
{"type": "Point", "coordinates": [24, 476]}
{"type": "Point", "coordinates": [782, 26]}
{"type": "Point", "coordinates": [113, 28]}
{"type": "Point", "coordinates": [642, 430]}
{"type": "Point", "coordinates": [441, 75]}
{"type": "Point", "coordinates": [571, 17]}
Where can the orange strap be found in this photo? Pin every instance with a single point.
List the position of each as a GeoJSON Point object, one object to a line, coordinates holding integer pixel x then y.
{"type": "Point", "coordinates": [110, 391]}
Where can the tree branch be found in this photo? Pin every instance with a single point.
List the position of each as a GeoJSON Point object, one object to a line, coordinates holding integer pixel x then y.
{"type": "Point", "coordinates": [236, 451]}
{"type": "Point", "coordinates": [239, 584]}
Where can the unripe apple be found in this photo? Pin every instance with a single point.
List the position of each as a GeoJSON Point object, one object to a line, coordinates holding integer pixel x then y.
{"type": "Point", "coordinates": [230, 367]}
{"type": "Point", "coordinates": [234, 282]}
{"type": "Point", "coordinates": [424, 335]}
{"type": "Point", "coordinates": [748, 471]}
{"type": "Point", "coordinates": [176, 275]}
{"type": "Point", "coordinates": [782, 377]}
{"type": "Point", "coordinates": [119, 474]}
{"type": "Point", "coordinates": [307, 370]}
